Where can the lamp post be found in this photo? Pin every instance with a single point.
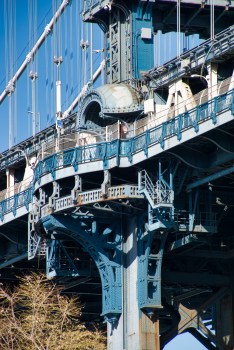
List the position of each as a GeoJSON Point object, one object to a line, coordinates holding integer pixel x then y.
{"type": "Point", "coordinates": [199, 76]}
{"type": "Point", "coordinates": [34, 124]}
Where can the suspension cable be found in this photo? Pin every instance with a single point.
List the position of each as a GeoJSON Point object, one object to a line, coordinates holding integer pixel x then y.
{"type": "Point", "coordinates": [47, 83]}
{"type": "Point", "coordinates": [78, 46]}
{"type": "Point", "coordinates": [52, 52]}
{"type": "Point", "coordinates": [170, 46]}
{"type": "Point", "coordinates": [28, 100]}
{"type": "Point", "coordinates": [15, 66]}
{"type": "Point", "coordinates": [102, 54]}
{"type": "Point", "coordinates": [211, 19]}
{"type": "Point", "coordinates": [178, 28]}
{"type": "Point", "coordinates": [66, 58]}
{"type": "Point", "coordinates": [11, 39]}
{"type": "Point", "coordinates": [6, 39]}
{"type": "Point", "coordinates": [71, 52]}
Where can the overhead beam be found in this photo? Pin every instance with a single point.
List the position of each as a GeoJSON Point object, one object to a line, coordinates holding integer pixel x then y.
{"type": "Point", "coordinates": [191, 294]}
{"type": "Point", "coordinates": [14, 260]}
{"type": "Point", "coordinates": [210, 178]}
{"type": "Point", "coordinates": [223, 140]}
{"type": "Point", "coordinates": [192, 17]}
{"type": "Point", "coordinates": [195, 278]}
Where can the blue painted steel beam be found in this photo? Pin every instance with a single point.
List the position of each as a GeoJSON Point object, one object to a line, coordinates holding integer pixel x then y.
{"type": "Point", "coordinates": [209, 178]}
{"type": "Point", "coordinates": [14, 260]}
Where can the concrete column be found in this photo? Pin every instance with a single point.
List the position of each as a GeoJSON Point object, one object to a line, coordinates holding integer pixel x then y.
{"type": "Point", "coordinates": [212, 79]}
{"type": "Point", "coordinates": [10, 181]}
{"type": "Point", "coordinates": [134, 330]}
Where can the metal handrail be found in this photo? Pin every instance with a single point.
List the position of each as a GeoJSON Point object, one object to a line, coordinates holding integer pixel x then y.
{"type": "Point", "coordinates": [157, 134]}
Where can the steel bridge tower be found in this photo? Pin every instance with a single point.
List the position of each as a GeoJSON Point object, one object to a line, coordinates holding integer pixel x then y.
{"type": "Point", "coordinates": [135, 197]}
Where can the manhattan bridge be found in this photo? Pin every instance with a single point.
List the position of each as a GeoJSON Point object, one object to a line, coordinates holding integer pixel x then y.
{"type": "Point", "coordinates": [126, 197]}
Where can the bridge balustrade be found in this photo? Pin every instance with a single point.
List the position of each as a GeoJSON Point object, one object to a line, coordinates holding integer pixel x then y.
{"type": "Point", "coordinates": [16, 196]}
{"type": "Point", "coordinates": [127, 131]}
{"type": "Point", "coordinates": [73, 151]}
{"type": "Point", "coordinates": [129, 147]}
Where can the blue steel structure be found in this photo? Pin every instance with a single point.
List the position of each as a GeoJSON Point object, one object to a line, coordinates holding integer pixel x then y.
{"type": "Point", "coordinates": [137, 217]}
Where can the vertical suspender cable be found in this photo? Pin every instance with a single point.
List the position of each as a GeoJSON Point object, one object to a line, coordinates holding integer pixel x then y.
{"type": "Point", "coordinates": [15, 60]}
{"type": "Point", "coordinates": [6, 39]}
{"type": "Point", "coordinates": [91, 35]}
{"type": "Point", "coordinates": [53, 53]}
{"type": "Point", "coordinates": [155, 49]}
{"type": "Point", "coordinates": [47, 83]}
{"type": "Point", "coordinates": [33, 71]}
{"type": "Point", "coordinates": [59, 32]}
{"type": "Point", "coordinates": [28, 100]}
{"type": "Point", "coordinates": [66, 59]}
{"type": "Point", "coordinates": [71, 52]}
{"type": "Point", "coordinates": [178, 28]}
{"type": "Point", "coordinates": [159, 43]}
{"type": "Point", "coordinates": [36, 66]}
{"type": "Point", "coordinates": [52, 70]}
{"type": "Point", "coordinates": [212, 19]}
{"type": "Point", "coordinates": [78, 46]}
{"type": "Point", "coordinates": [102, 54]}
{"type": "Point", "coordinates": [165, 48]}
{"type": "Point", "coordinates": [28, 67]}
{"type": "Point", "coordinates": [86, 54]}
{"type": "Point", "coordinates": [170, 46]}
{"type": "Point", "coordinates": [11, 73]}
{"type": "Point", "coordinates": [82, 56]}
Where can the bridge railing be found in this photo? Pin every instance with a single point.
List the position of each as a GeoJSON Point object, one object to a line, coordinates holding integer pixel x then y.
{"type": "Point", "coordinates": [128, 130]}
{"type": "Point", "coordinates": [15, 197]}
{"type": "Point", "coordinates": [17, 188]}
{"type": "Point", "coordinates": [75, 139]}
{"type": "Point", "coordinates": [125, 131]}
{"type": "Point", "coordinates": [73, 152]}
{"type": "Point", "coordinates": [128, 147]}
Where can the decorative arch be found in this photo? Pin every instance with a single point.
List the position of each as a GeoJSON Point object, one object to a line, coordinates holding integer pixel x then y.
{"type": "Point", "coordinates": [91, 99]}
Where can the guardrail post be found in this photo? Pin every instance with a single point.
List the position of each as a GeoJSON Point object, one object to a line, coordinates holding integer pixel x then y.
{"type": "Point", "coordinates": [214, 119]}
{"type": "Point", "coordinates": [129, 150]}
{"type": "Point", "coordinates": [232, 103]}
{"type": "Point", "coordinates": [179, 136]}
{"type": "Point", "coordinates": [146, 143]}
{"type": "Point", "coordinates": [162, 136]}
{"type": "Point", "coordinates": [196, 126]}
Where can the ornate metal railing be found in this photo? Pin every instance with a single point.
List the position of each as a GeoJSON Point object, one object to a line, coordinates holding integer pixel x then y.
{"type": "Point", "coordinates": [20, 199]}
{"type": "Point", "coordinates": [105, 151]}
{"type": "Point", "coordinates": [127, 148]}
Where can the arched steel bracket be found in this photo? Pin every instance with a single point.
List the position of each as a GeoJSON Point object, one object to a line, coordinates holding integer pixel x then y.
{"type": "Point", "coordinates": [98, 247]}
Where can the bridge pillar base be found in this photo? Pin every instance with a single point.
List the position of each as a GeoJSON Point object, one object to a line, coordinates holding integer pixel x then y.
{"type": "Point", "coordinates": [135, 329]}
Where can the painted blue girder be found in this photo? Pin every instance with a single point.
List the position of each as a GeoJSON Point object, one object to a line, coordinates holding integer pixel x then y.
{"type": "Point", "coordinates": [150, 248]}
{"type": "Point", "coordinates": [97, 245]}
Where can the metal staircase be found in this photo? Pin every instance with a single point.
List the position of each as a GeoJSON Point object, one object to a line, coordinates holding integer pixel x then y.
{"type": "Point", "coordinates": [160, 200]}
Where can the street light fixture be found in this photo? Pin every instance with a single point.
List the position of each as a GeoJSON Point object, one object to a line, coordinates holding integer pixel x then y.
{"type": "Point", "coordinates": [199, 76]}
{"type": "Point", "coordinates": [39, 121]}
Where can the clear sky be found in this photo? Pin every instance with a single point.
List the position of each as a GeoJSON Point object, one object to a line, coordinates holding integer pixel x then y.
{"type": "Point", "coordinates": [74, 67]}
{"type": "Point", "coordinates": [71, 70]}
{"type": "Point", "coordinates": [75, 70]}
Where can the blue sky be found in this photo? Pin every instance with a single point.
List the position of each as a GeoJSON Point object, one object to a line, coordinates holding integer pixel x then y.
{"type": "Point", "coordinates": [22, 46]}
{"type": "Point", "coordinates": [182, 342]}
